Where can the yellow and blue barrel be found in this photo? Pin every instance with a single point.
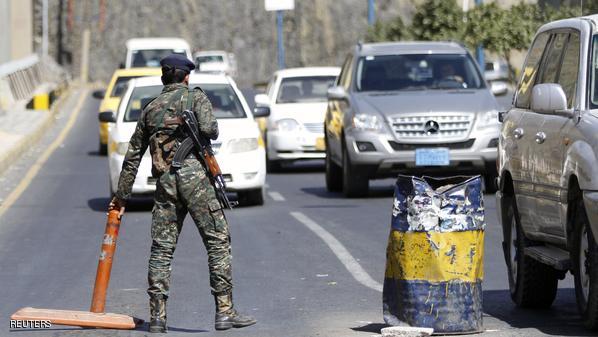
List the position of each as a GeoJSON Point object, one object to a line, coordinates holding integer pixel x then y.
{"type": "Point", "coordinates": [434, 261]}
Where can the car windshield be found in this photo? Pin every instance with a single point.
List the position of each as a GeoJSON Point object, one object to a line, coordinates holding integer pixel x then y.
{"type": "Point", "coordinates": [304, 89]}
{"type": "Point", "coordinates": [209, 58]}
{"type": "Point", "coordinates": [120, 86]}
{"type": "Point", "coordinates": [151, 57]}
{"type": "Point", "coordinates": [594, 73]}
{"type": "Point", "coordinates": [417, 72]}
{"type": "Point", "coordinates": [225, 102]}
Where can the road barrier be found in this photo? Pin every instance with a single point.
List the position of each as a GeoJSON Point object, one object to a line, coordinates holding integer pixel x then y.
{"type": "Point", "coordinates": [434, 265]}
{"type": "Point", "coordinates": [32, 79]}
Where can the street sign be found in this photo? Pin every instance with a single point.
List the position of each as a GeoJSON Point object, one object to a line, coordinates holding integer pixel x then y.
{"type": "Point", "coordinates": [280, 5]}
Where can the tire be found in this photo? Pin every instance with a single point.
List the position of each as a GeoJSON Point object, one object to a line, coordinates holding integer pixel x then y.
{"type": "Point", "coordinates": [254, 197]}
{"type": "Point", "coordinates": [531, 283]}
{"type": "Point", "coordinates": [102, 148]}
{"type": "Point", "coordinates": [273, 166]}
{"type": "Point", "coordinates": [334, 173]}
{"type": "Point", "coordinates": [584, 256]}
{"type": "Point", "coordinates": [490, 185]}
{"type": "Point", "coordinates": [355, 183]}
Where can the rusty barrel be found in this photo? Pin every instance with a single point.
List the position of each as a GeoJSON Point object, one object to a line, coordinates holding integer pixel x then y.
{"type": "Point", "coordinates": [434, 258]}
{"type": "Point", "coordinates": [98, 301]}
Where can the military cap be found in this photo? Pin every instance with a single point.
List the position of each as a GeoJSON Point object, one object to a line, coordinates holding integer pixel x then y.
{"type": "Point", "coordinates": [177, 61]}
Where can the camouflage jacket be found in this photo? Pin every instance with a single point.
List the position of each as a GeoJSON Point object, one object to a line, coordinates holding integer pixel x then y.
{"type": "Point", "coordinates": [158, 128]}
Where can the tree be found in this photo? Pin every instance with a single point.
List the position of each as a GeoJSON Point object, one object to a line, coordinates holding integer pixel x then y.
{"type": "Point", "coordinates": [394, 30]}
{"type": "Point", "coordinates": [437, 20]}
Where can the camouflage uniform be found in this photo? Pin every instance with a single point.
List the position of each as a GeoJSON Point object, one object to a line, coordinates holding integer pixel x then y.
{"type": "Point", "coordinates": [187, 189]}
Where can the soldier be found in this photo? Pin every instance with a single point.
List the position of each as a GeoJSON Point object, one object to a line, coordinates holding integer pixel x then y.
{"type": "Point", "coordinates": [178, 191]}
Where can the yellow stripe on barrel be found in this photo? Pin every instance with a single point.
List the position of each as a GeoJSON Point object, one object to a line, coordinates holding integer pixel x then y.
{"type": "Point", "coordinates": [435, 256]}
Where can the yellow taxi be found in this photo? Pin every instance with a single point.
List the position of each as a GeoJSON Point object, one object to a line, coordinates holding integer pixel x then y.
{"type": "Point", "coordinates": [111, 97]}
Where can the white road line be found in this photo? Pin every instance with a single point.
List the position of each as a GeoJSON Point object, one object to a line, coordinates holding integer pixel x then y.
{"type": "Point", "coordinates": [276, 196]}
{"type": "Point", "coordinates": [340, 251]}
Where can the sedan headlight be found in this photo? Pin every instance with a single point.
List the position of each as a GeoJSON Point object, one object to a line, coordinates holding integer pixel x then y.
{"type": "Point", "coordinates": [488, 118]}
{"type": "Point", "coordinates": [242, 145]}
{"type": "Point", "coordinates": [367, 122]}
{"type": "Point", "coordinates": [287, 124]}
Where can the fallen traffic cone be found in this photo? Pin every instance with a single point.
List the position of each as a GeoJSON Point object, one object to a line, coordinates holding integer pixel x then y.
{"type": "Point", "coordinates": [95, 317]}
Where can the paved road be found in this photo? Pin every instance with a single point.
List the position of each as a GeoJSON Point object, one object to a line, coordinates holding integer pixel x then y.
{"type": "Point", "coordinates": [285, 273]}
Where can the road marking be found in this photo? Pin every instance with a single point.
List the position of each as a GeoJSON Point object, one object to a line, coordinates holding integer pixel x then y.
{"type": "Point", "coordinates": [340, 251]}
{"type": "Point", "coordinates": [34, 170]}
{"type": "Point", "coordinates": [276, 196]}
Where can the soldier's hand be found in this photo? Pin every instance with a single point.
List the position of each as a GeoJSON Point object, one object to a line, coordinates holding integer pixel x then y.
{"type": "Point", "coordinates": [117, 204]}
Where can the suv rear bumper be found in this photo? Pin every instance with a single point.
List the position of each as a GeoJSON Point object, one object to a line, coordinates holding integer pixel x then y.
{"type": "Point", "coordinates": [590, 200]}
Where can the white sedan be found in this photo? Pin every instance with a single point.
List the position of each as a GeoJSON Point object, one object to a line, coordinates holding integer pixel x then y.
{"type": "Point", "coordinates": [239, 147]}
{"type": "Point", "coordinates": [297, 99]}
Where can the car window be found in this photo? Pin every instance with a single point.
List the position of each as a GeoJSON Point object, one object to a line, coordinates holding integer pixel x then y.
{"type": "Point", "coordinates": [550, 67]}
{"type": "Point", "coordinates": [304, 89]}
{"type": "Point", "coordinates": [530, 70]}
{"type": "Point", "coordinates": [570, 69]}
{"type": "Point", "coordinates": [270, 88]}
{"type": "Point", "coordinates": [225, 103]}
{"type": "Point", "coordinates": [120, 86]}
{"type": "Point", "coordinates": [417, 72]}
{"type": "Point", "coordinates": [151, 57]}
{"type": "Point", "coordinates": [594, 74]}
{"type": "Point", "coordinates": [209, 58]}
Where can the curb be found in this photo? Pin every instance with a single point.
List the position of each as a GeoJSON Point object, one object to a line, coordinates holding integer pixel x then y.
{"type": "Point", "coordinates": [33, 137]}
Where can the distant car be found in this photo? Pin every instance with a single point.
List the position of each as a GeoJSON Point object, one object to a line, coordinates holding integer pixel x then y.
{"type": "Point", "coordinates": [147, 52]}
{"type": "Point", "coordinates": [216, 61]}
{"type": "Point", "coordinates": [497, 70]}
{"type": "Point", "coordinates": [297, 101]}
{"type": "Point", "coordinates": [548, 165]}
{"type": "Point", "coordinates": [111, 97]}
{"type": "Point", "coordinates": [411, 108]}
{"type": "Point", "coordinates": [239, 148]}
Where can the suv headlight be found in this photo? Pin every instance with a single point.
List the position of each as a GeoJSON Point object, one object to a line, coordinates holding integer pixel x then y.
{"type": "Point", "coordinates": [242, 145]}
{"type": "Point", "coordinates": [367, 122]}
{"type": "Point", "coordinates": [286, 124]}
{"type": "Point", "coordinates": [488, 118]}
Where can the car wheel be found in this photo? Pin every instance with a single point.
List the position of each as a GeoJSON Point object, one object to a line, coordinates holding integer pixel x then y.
{"type": "Point", "coordinates": [334, 173]}
{"type": "Point", "coordinates": [253, 197]}
{"type": "Point", "coordinates": [355, 184]}
{"type": "Point", "coordinates": [585, 269]}
{"type": "Point", "coordinates": [102, 148]}
{"type": "Point", "coordinates": [490, 185]}
{"type": "Point", "coordinates": [532, 284]}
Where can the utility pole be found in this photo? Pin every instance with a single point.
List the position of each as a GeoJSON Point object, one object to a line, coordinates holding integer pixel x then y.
{"type": "Point", "coordinates": [480, 48]}
{"type": "Point", "coordinates": [44, 28]}
{"type": "Point", "coordinates": [371, 13]}
{"type": "Point", "coordinates": [59, 33]}
{"type": "Point", "coordinates": [281, 56]}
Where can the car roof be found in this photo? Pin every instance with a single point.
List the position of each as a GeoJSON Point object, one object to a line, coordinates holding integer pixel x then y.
{"type": "Point", "coordinates": [194, 79]}
{"type": "Point", "coordinates": [146, 71]}
{"type": "Point", "coordinates": [210, 52]}
{"type": "Point", "coordinates": [571, 22]}
{"type": "Point", "coordinates": [157, 43]}
{"type": "Point", "coordinates": [410, 47]}
{"type": "Point", "coordinates": [309, 71]}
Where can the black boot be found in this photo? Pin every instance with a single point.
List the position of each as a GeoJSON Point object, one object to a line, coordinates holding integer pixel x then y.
{"type": "Point", "coordinates": [158, 315]}
{"type": "Point", "coordinates": [227, 317]}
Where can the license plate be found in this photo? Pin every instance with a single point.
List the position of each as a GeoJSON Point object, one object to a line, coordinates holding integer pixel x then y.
{"type": "Point", "coordinates": [320, 144]}
{"type": "Point", "coordinates": [432, 157]}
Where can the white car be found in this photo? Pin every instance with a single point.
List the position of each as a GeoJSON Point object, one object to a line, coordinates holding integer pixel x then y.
{"type": "Point", "coordinates": [297, 101]}
{"type": "Point", "coordinates": [239, 147]}
{"type": "Point", "coordinates": [147, 52]}
{"type": "Point", "coordinates": [216, 61]}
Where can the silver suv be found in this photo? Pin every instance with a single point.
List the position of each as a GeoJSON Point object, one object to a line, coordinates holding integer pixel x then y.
{"type": "Point", "coordinates": [410, 108]}
{"type": "Point", "coordinates": [548, 164]}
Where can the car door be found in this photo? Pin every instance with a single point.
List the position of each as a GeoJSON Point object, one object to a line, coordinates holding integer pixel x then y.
{"type": "Point", "coordinates": [549, 141]}
{"type": "Point", "coordinates": [515, 135]}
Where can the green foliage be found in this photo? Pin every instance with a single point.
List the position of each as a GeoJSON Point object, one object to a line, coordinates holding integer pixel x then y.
{"type": "Point", "coordinates": [394, 30]}
{"type": "Point", "coordinates": [437, 20]}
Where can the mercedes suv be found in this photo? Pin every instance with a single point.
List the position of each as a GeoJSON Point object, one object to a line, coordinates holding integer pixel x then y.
{"type": "Point", "coordinates": [409, 108]}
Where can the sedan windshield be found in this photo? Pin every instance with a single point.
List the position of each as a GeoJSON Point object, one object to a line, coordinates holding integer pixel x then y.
{"type": "Point", "coordinates": [594, 74]}
{"type": "Point", "coordinates": [417, 72]}
{"type": "Point", "coordinates": [225, 102]}
{"type": "Point", "coordinates": [304, 89]}
{"type": "Point", "coordinates": [151, 57]}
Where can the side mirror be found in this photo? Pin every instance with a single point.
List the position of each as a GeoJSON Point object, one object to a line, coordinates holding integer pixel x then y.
{"type": "Point", "coordinates": [337, 93]}
{"type": "Point", "coordinates": [98, 94]}
{"type": "Point", "coordinates": [550, 98]}
{"type": "Point", "coordinates": [107, 117]}
{"type": "Point", "coordinates": [262, 100]}
{"type": "Point", "coordinates": [502, 115]}
{"type": "Point", "coordinates": [261, 111]}
{"type": "Point", "coordinates": [499, 88]}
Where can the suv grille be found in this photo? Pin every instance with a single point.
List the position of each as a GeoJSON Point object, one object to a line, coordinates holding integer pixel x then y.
{"type": "Point", "coordinates": [439, 126]}
{"type": "Point", "coordinates": [412, 147]}
{"type": "Point", "coordinates": [314, 127]}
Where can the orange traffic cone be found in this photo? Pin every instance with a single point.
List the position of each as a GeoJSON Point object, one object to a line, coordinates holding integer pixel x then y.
{"type": "Point", "coordinates": [95, 317]}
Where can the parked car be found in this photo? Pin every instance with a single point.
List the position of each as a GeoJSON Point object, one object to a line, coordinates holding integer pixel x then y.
{"type": "Point", "coordinates": [147, 52]}
{"type": "Point", "coordinates": [216, 61]}
{"type": "Point", "coordinates": [411, 108]}
{"type": "Point", "coordinates": [297, 101]}
{"type": "Point", "coordinates": [548, 164]}
{"type": "Point", "coordinates": [111, 96]}
{"type": "Point", "coordinates": [497, 70]}
{"type": "Point", "coordinates": [239, 148]}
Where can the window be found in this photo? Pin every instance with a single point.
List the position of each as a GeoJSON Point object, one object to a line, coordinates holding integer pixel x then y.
{"type": "Point", "coordinates": [120, 86]}
{"type": "Point", "coordinates": [594, 74]}
{"type": "Point", "coordinates": [570, 69]}
{"type": "Point", "coordinates": [529, 71]}
{"type": "Point", "coordinates": [304, 89]}
{"type": "Point", "coordinates": [151, 57]}
{"type": "Point", "coordinates": [550, 67]}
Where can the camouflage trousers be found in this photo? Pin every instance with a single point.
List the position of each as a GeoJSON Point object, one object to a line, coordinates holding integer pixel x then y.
{"type": "Point", "coordinates": [188, 190]}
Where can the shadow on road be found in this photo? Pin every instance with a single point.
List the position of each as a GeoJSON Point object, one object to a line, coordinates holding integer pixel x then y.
{"type": "Point", "coordinates": [561, 319]}
{"type": "Point", "coordinates": [95, 153]}
{"type": "Point", "coordinates": [307, 166]}
{"type": "Point", "coordinates": [375, 192]}
{"type": "Point", "coordinates": [145, 327]}
{"type": "Point", "coordinates": [370, 328]}
{"type": "Point", "coordinates": [136, 205]}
